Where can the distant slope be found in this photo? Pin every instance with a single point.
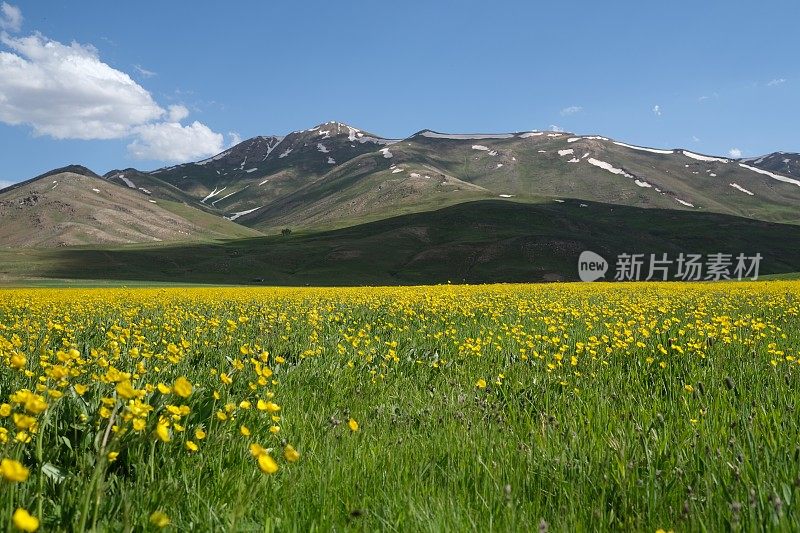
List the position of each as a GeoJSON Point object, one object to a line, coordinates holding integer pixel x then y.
{"type": "Point", "coordinates": [152, 186]}
{"type": "Point", "coordinates": [334, 175]}
{"type": "Point", "coordinates": [67, 209]}
{"type": "Point", "coordinates": [262, 170]}
{"type": "Point", "coordinates": [431, 169]}
{"type": "Point", "coordinates": [486, 241]}
{"type": "Point", "coordinates": [781, 162]}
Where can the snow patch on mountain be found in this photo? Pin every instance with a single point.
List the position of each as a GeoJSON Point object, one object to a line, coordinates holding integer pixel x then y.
{"type": "Point", "coordinates": [608, 166]}
{"type": "Point", "coordinates": [471, 136]}
{"type": "Point", "coordinates": [212, 194]}
{"type": "Point", "coordinates": [128, 182]}
{"type": "Point", "coordinates": [224, 197]}
{"type": "Point", "coordinates": [234, 216]}
{"type": "Point", "coordinates": [699, 157]}
{"type": "Point", "coordinates": [771, 174]}
{"type": "Point", "coordinates": [644, 149]}
{"type": "Point", "coordinates": [740, 188]}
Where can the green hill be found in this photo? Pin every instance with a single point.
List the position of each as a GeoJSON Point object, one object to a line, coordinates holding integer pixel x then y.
{"type": "Point", "coordinates": [485, 241]}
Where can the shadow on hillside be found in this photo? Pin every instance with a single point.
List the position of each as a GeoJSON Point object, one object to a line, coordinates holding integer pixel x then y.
{"type": "Point", "coordinates": [477, 242]}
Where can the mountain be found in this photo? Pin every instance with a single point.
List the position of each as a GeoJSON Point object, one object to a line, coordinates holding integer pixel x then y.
{"type": "Point", "coordinates": [430, 169]}
{"type": "Point", "coordinates": [335, 175]}
{"type": "Point", "coordinates": [262, 170]}
{"type": "Point", "coordinates": [781, 162]}
{"type": "Point", "coordinates": [74, 206]}
{"type": "Point", "coordinates": [484, 241]}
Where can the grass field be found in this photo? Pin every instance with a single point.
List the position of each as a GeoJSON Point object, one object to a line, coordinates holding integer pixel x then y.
{"type": "Point", "coordinates": [478, 242]}
{"type": "Point", "coordinates": [498, 407]}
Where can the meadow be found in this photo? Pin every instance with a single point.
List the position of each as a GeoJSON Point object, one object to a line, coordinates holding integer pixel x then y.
{"type": "Point", "coordinates": [556, 407]}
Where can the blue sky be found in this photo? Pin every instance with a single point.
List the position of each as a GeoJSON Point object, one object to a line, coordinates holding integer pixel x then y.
{"type": "Point", "coordinates": [147, 83]}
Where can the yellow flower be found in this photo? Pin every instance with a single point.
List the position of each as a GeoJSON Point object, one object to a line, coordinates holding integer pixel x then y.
{"type": "Point", "coordinates": [267, 464]}
{"type": "Point", "coordinates": [80, 389]}
{"type": "Point", "coordinates": [12, 470]}
{"type": "Point", "coordinates": [256, 450]}
{"type": "Point", "coordinates": [191, 446]}
{"type": "Point", "coordinates": [352, 424]}
{"type": "Point", "coordinates": [24, 521]}
{"type": "Point", "coordinates": [226, 379]}
{"type": "Point", "coordinates": [182, 387]}
{"type": "Point", "coordinates": [274, 429]}
{"type": "Point", "coordinates": [24, 421]}
{"type": "Point", "coordinates": [5, 410]}
{"type": "Point", "coordinates": [35, 404]}
{"type": "Point", "coordinates": [244, 430]}
{"type": "Point", "coordinates": [199, 434]}
{"type": "Point", "coordinates": [162, 432]}
{"type": "Point", "coordinates": [159, 519]}
{"type": "Point", "coordinates": [481, 383]}
{"type": "Point", "coordinates": [112, 456]}
{"type": "Point", "coordinates": [18, 361]}
{"type": "Point", "coordinates": [126, 390]}
{"type": "Point", "coordinates": [163, 389]}
{"type": "Point", "coordinates": [268, 406]}
{"type": "Point", "coordinates": [688, 388]}
{"type": "Point", "coordinates": [291, 454]}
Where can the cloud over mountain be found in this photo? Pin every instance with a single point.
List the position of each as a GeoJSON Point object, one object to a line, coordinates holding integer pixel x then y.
{"type": "Point", "coordinates": [66, 91]}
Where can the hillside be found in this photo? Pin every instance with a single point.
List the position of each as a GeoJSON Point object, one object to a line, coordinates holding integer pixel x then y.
{"type": "Point", "coordinates": [780, 162]}
{"type": "Point", "coordinates": [477, 242]}
{"type": "Point", "coordinates": [335, 175]}
{"type": "Point", "coordinates": [68, 209]}
{"type": "Point", "coordinates": [430, 170]}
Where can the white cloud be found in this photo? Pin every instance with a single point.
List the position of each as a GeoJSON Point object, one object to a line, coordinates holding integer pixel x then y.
{"type": "Point", "coordinates": [553, 127]}
{"type": "Point", "coordinates": [169, 141]}
{"type": "Point", "coordinates": [776, 82]}
{"type": "Point", "coordinates": [235, 138]}
{"type": "Point", "coordinates": [177, 113]}
{"type": "Point", "coordinates": [144, 72]}
{"type": "Point", "coordinates": [571, 110]}
{"type": "Point", "coordinates": [695, 138]}
{"type": "Point", "coordinates": [657, 110]}
{"type": "Point", "coordinates": [735, 153]}
{"type": "Point", "coordinates": [10, 17]}
{"type": "Point", "coordinates": [66, 92]}
{"type": "Point", "coordinates": [6, 183]}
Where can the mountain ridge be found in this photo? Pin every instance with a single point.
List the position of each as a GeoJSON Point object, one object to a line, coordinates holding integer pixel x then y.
{"type": "Point", "coordinates": [334, 175]}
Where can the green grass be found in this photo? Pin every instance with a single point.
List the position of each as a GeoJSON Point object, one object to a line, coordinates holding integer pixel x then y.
{"type": "Point", "coordinates": [613, 442]}
{"type": "Point", "coordinates": [478, 242]}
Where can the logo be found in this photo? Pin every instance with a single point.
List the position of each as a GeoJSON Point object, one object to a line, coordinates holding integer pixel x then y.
{"type": "Point", "coordinates": [591, 266]}
{"type": "Point", "coordinates": [684, 267]}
